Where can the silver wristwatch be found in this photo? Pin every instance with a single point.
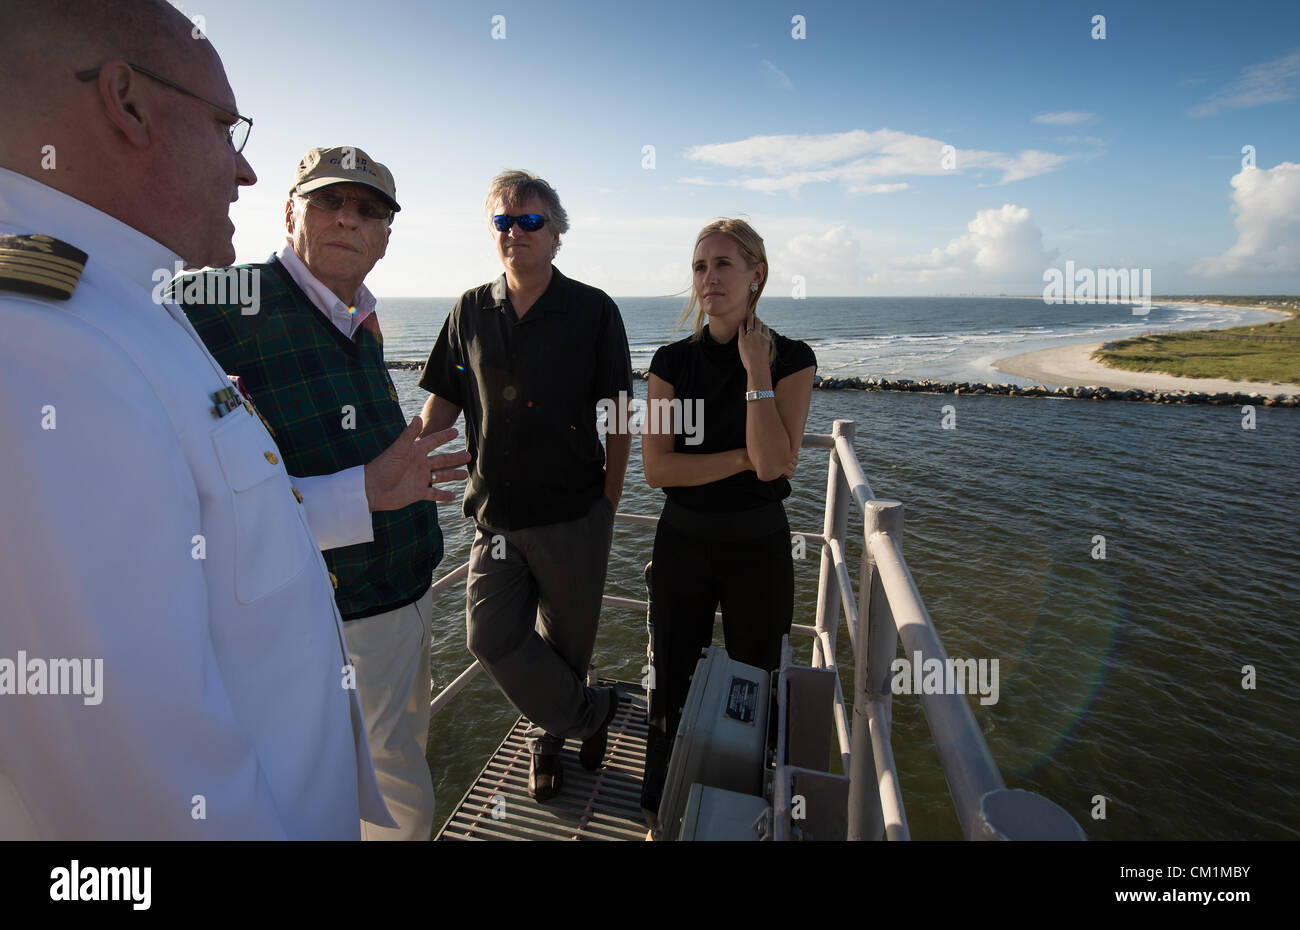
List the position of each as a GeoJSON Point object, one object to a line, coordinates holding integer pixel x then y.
{"type": "Point", "coordinates": [759, 395]}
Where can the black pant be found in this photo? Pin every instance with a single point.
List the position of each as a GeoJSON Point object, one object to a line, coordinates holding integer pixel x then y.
{"type": "Point", "coordinates": [752, 579]}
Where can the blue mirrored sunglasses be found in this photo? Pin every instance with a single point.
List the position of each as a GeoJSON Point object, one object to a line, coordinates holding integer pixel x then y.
{"type": "Point", "coordinates": [528, 222]}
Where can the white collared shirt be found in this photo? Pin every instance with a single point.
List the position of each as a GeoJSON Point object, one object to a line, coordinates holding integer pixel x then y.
{"type": "Point", "coordinates": [346, 318]}
{"type": "Point", "coordinates": [148, 535]}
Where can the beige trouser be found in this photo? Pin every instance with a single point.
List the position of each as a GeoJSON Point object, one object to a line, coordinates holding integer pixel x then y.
{"type": "Point", "coordinates": [390, 653]}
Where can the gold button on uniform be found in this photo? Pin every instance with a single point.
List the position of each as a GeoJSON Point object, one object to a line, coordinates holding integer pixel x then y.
{"type": "Point", "coordinates": [297, 496]}
{"type": "Point", "coordinates": [334, 579]}
{"type": "Point", "coordinates": [272, 458]}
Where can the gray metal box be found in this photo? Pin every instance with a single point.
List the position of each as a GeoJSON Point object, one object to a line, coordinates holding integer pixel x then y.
{"type": "Point", "coordinates": [715, 814]}
{"type": "Point", "coordinates": [722, 739]}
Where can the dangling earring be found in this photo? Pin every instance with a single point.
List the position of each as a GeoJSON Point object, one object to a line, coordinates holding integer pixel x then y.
{"type": "Point", "coordinates": [753, 287]}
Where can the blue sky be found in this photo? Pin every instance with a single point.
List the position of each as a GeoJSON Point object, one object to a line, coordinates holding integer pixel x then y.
{"type": "Point", "coordinates": [1117, 152]}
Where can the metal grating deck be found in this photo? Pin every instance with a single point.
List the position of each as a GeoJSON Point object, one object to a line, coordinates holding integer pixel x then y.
{"type": "Point", "coordinates": [600, 805]}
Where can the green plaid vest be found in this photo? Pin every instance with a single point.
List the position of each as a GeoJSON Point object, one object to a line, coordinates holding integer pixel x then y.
{"type": "Point", "coordinates": [332, 405]}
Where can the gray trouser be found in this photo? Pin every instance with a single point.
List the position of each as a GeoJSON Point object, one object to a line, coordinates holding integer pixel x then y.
{"type": "Point", "coordinates": [532, 605]}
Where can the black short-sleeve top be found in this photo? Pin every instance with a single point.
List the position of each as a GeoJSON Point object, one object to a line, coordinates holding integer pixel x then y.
{"type": "Point", "coordinates": [712, 373]}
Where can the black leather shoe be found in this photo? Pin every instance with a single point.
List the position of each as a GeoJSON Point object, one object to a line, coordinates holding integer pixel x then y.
{"type": "Point", "coordinates": [545, 776]}
{"type": "Point", "coordinates": [592, 753]}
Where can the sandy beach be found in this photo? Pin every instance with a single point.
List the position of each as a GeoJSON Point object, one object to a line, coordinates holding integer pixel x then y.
{"type": "Point", "coordinates": [1073, 365]}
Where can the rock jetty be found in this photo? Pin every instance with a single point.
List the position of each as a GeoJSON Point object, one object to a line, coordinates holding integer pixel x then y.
{"type": "Point", "coordinates": [1091, 392]}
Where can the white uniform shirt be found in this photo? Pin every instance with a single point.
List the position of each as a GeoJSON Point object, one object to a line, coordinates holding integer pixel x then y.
{"type": "Point", "coordinates": [326, 301]}
{"type": "Point", "coordinates": [143, 531]}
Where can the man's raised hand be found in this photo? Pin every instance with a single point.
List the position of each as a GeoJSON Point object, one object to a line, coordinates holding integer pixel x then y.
{"type": "Point", "coordinates": [405, 472]}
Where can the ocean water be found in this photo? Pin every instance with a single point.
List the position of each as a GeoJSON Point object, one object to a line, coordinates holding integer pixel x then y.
{"type": "Point", "coordinates": [1120, 678]}
{"type": "Point", "coordinates": [955, 339]}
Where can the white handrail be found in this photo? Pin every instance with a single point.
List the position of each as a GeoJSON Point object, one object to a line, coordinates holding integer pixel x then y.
{"type": "Point", "coordinates": [858, 485]}
{"type": "Point", "coordinates": [967, 763]}
{"type": "Point", "coordinates": [891, 793]}
{"type": "Point", "coordinates": [459, 573]}
{"type": "Point", "coordinates": [851, 617]}
{"type": "Point", "coordinates": [446, 694]}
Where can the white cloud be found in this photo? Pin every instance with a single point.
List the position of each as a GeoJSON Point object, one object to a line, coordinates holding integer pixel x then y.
{"type": "Point", "coordinates": [1065, 118]}
{"type": "Point", "coordinates": [830, 263]}
{"type": "Point", "coordinates": [1266, 202]}
{"type": "Point", "coordinates": [780, 154]}
{"type": "Point", "coordinates": [1273, 81]}
{"type": "Point", "coordinates": [864, 162]}
{"type": "Point", "coordinates": [882, 188]}
{"type": "Point", "coordinates": [1000, 246]}
{"type": "Point", "coordinates": [651, 256]}
{"type": "Point", "coordinates": [1027, 163]}
{"type": "Point", "coordinates": [780, 75]}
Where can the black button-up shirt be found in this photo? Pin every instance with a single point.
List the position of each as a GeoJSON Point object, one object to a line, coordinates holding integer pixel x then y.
{"type": "Point", "coordinates": [529, 388]}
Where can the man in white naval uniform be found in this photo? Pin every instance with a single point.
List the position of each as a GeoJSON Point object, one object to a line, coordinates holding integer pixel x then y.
{"type": "Point", "coordinates": [152, 537]}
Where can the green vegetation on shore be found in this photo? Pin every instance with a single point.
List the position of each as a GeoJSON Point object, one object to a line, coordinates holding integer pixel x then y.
{"type": "Point", "coordinates": [1263, 352]}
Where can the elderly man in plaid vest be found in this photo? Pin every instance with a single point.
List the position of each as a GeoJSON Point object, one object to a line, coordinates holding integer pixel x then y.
{"type": "Point", "coordinates": [309, 351]}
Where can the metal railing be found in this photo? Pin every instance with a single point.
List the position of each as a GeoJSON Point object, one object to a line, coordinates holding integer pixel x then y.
{"type": "Point", "coordinates": [891, 605]}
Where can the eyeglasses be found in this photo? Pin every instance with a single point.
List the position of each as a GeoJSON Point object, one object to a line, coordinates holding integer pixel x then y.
{"type": "Point", "coordinates": [330, 200]}
{"type": "Point", "coordinates": [239, 130]}
{"type": "Point", "coordinates": [528, 222]}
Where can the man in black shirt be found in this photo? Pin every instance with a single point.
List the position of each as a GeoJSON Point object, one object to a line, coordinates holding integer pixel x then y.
{"type": "Point", "coordinates": [527, 358]}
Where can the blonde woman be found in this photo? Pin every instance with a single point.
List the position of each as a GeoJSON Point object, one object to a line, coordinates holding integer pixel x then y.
{"type": "Point", "coordinates": [723, 538]}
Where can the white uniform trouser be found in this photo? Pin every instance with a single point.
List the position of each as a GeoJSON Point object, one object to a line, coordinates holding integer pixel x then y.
{"type": "Point", "coordinates": [390, 653]}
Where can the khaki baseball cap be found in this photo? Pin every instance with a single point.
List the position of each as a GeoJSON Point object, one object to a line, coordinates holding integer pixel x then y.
{"type": "Point", "coordinates": [343, 164]}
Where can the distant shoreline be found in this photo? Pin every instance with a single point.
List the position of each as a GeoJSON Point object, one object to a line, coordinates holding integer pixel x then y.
{"type": "Point", "coordinates": [1073, 366]}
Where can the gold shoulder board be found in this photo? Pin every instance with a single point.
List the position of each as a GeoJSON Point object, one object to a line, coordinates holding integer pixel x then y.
{"type": "Point", "coordinates": [40, 265]}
